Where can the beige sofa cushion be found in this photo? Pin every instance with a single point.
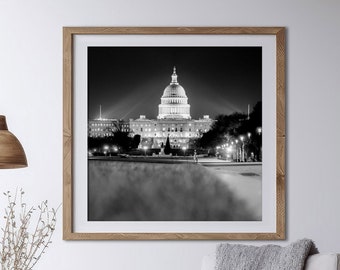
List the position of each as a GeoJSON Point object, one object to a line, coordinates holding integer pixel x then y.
{"type": "Point", "coordinates": [323, 262]}
{"type": "Point", "coordinates": [314, 262]}
{"type": "Point", "coordinates": [208, 262]}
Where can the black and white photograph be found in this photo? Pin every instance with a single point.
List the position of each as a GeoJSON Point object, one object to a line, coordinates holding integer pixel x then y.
{"type": "Point", "coordinates": [174, 133]}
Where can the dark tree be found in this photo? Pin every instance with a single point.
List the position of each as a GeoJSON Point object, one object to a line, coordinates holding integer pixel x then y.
{"type": "Point", "coordinates": [228, 128]}
{"type": "Point", "coordinates": [122, 139]}
{"type": "Point", "coordinates": [256, 130]}
{"type": "Point", "coordinates": [167, 148]}
{"type": "Point", "coordinates": [224, 128]}
{"type": "Point", "coordinates": [95, 142]}
{"type": "Point", "coordinates": [135, 141]}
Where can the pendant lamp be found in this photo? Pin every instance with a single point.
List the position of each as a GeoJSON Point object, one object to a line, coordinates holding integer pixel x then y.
{"type": "Point", "coordinates": [12, 154]}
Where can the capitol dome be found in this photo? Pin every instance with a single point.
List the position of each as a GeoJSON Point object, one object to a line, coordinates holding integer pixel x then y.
{"type": "Point", "coordinates": [174, 101]}
{"type": "Point", "coordinates": [174, 89]}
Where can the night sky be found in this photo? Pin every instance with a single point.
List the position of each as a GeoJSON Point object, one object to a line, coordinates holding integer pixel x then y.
{"type": "Point", "coordinates": [129, 81]}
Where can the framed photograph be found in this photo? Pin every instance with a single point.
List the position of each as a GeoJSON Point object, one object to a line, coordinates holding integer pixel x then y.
{"type": "Point", "coordinates": [174, 133]}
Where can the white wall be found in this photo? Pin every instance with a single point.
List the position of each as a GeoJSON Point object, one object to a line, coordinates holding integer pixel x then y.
{"type": "Point", "coordinates": [31, 98]}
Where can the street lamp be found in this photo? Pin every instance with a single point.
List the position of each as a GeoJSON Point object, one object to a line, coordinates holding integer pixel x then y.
{"type": "Point", "coordinates": [242, 149]}
{"type": "Point", "coordinates": [236, 142]}
{"type": "Point", "coordinates": [145, 149]}
{"type": "Point", "coordinates": [184, 149]}
{"type": "Point", "coordinates": [259, 130]}
{"type": "Point", "coordinates": [231, 147]}
{"type": "Point", "coordinates": [229, 152]}
{"type": "Point", "coordinates": [106, 149]}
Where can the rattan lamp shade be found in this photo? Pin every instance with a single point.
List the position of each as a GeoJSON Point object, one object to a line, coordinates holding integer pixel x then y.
{"type": "Point", "coordinates": [12, 155]}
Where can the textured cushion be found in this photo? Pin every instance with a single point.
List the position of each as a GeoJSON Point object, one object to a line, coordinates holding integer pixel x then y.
{"type": "Point", "coordinates": [314, 262]}
{"type": "Point", "coordinates": [271, 257]}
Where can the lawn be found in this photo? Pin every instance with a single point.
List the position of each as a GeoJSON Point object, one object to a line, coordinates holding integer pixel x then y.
{"type": "Point", "coordinates": [137, 191]}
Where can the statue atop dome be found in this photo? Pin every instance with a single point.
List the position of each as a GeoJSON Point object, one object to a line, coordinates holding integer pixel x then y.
{"type": "Point", "coordinates": [174, 77]}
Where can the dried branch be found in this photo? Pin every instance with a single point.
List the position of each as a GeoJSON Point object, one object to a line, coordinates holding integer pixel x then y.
{"type": "Point", "coordinates": [23, 243]}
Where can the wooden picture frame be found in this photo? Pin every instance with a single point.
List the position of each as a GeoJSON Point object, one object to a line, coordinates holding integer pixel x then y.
{"type": "Point", "coordinates": [69, 120]}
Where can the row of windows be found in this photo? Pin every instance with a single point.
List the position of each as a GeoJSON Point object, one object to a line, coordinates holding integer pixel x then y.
{"type": "Point", "coordinates": [164, 135]}
{"type": "Point", "coordinates": [102, 124]}
{"type": "Point", "coordinates": [175, 129]}
{"type": "Point", "coordinates": [100, 135]}
{"type": "Point", "coordinates": [170, 130]}
{"type": "Point", "coordinates": [99, 129]}
{"type": "Point", "coordinates": [163, 129]}
{"type": "Point", "coordinates": [141, 125]}
{"type": "Point", "coordinates": [173, 110]}
{"type": "Point", "coordinates": [145, 130]}
{"type": "Point", "coordinates": [149, 125]}
{"type": "Point", "coordinates": [179, 101]}
{"type": "Point", "coordinates": [127, 125]}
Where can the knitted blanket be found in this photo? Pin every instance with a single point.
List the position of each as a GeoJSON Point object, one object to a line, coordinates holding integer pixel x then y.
{"type": "Point", "coordinates": [267, 257]}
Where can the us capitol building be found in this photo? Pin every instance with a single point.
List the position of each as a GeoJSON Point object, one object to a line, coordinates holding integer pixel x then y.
{"type": "Point", "coordinates": [173, 120]}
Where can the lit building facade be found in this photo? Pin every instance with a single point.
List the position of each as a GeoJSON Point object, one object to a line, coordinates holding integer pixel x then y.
{"type": "Point", "coordinates": [124, 126]}
{"type": "Point", "coordinates": [99, 128]}
{"type": "Point", "coordinates": [173, 120]}
{"type": "Point", "coordinates": [106, 127]}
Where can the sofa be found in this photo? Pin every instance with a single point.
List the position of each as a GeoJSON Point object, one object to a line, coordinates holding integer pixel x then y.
{"type": "Point", "coordinates": [329, 261]}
